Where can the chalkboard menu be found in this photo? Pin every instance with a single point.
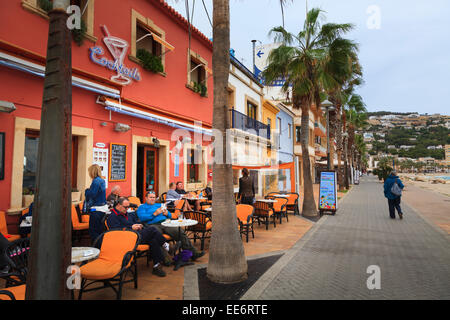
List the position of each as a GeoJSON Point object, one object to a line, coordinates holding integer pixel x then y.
{"type": "Point", "coordinates": [327, 191]}
{"type": "Point", "coordinates": [118, 162]}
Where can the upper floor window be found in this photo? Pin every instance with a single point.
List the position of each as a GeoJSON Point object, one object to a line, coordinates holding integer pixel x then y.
{"type": "Point", "coordinates": [42, 7]}
{"type": "Point", "coordinates": [197, 73]}
{"type": "Point", "coordinates": [251, 110]}
{"type": "Point", "coordinates": [148, 45]}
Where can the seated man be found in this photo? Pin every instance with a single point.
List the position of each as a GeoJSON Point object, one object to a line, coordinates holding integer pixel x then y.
{"type": "Point", "coordinates": [172, 196]}
{"type": "Point", "coordinates": [208, 191]}
{"type": "Point", "coordinates": [192, 202]}
{"type": "Point", "coordinates": [121, 219]}
{"type": "Point", "coordinates": [152, 214]}
{"type": "Point", "coordinates": [113, 196]}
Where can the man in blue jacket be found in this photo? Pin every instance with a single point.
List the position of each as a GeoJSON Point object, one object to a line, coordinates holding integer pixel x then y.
{"type": "Point", "coordinates": [120, 219]}
{"type": "Point", "coordinates": [393, 200]}
{"type": "Point", "coordinates": [154, 214]}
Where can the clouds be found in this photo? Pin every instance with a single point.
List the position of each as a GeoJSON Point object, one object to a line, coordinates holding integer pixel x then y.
{"type": "Point", "coordinates": [406, 62]}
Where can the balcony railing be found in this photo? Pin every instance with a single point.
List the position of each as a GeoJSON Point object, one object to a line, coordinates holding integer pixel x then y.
{"type": "Point", "coordinates": [320, 149]}
{"type": "Point", "coordinates": [320, 126]}
{"type": "Point", "coordinates": [242, 122]}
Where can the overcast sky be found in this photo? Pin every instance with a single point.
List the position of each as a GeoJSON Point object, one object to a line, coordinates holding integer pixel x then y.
{"type": "Point", "coordinates": [405, 53]}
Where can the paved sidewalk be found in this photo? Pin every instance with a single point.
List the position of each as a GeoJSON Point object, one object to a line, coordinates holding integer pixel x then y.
{"type": "Point", "coordinates": [331, 261]}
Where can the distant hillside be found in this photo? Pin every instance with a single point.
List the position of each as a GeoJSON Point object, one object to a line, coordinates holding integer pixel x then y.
{"type": "Point", "coordinates": [385, 113]}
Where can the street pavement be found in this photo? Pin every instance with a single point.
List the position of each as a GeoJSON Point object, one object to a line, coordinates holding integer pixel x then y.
{"type": "Point", "coordinates": [331, 261]}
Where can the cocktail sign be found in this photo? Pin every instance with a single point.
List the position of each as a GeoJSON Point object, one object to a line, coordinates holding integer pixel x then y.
{"type": "Point", "coordinates": [118, 49]}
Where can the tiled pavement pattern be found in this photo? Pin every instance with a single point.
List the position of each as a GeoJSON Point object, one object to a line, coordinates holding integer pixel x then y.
{"type": "Point", "coordinates": [414, 257]}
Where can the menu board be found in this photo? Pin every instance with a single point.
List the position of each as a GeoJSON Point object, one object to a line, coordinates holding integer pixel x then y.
{"type": "Point", "coordinates": [327, 191]}
{"type": "Point", "coordinates": [117, 162]}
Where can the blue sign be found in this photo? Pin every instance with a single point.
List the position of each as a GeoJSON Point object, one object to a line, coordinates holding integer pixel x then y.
{"type": "Point", "coordinates": [327, 191]}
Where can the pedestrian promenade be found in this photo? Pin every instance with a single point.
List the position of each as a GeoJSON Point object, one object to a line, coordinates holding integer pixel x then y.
{"type": "Point", "coordinates": [330, 262]}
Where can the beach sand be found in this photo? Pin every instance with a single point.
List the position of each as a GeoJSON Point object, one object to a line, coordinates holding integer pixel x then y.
{"type": "Point", "coordinates": [426, 182]}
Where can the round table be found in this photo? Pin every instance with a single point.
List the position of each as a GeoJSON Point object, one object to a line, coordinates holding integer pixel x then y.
{"type": "Point", "coordinates": [81, 254]}
{"type": "Point", "coordinates": [178, 224]}
{"type": "Point", "coordinates": [266, 200]}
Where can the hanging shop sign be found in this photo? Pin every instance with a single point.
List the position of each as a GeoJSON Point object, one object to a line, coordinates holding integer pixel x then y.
{"type": "Point", "coordinates": [118, 49]}
{"type": "Point", "coordinates": [328, 192]}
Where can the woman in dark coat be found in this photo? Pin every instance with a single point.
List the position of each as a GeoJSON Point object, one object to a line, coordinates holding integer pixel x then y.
{"type": "Point", "coordinates": [246, 188]}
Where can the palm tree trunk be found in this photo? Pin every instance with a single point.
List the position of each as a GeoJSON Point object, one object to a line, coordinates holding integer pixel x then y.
{"type": "Point", "coordinates": [309, 205]}
{"type": "Point", "coordinates": [227, 262]}
{"type": "Point", "coordinates": [50, 253]}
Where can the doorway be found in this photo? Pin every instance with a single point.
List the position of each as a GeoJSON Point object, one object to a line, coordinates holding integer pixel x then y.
{"type": "Point", "coordinates": [147, 171]}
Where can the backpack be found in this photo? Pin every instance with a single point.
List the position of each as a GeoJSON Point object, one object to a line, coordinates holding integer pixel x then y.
{"type": "Point", "coordinates": [396, 190]}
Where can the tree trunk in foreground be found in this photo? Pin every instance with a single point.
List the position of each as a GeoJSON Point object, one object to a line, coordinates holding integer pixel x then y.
{"type": "Point", "coordinates": [50, 253]}
{"type": "Point", "coordinates": [227, 262]}
{"type": "Point", "coordinates": [309, 205]}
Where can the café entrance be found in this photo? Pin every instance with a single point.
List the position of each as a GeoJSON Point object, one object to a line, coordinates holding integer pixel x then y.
{"type": "Point", "coordinates": [147, 171]}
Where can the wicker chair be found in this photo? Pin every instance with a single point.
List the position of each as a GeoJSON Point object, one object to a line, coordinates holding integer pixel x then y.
{"type": "Point", "coordinates": [263, 211]}
{"type": "Point", "coordinates": [202, 230]}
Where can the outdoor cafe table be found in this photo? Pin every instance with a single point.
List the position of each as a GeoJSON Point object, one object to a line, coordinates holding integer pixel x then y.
{"type": "Point", "coordinates": [83, 254]}
{"type": "Point", "coordinates": [178, 224]}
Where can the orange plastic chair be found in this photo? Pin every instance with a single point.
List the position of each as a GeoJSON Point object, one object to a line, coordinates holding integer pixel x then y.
{"type": "Point", "coordinates": [292, 204]}
{"type": "Point", "coordinates": [4, 228]}
{"type": "Point", "coordinates": [279, 208]}
{"type": "Point", "coordinates": [179, 204]}
{"type": "Point", "coordinates": [117, 257]}
{"type": "Point", "coordinates": [245, 219]}
{"type": "Point", "coordinates": [142, 250]}
{"type": "Point", "coordinates": [84, 216]}
{"type": "Point", "coordinates": [78, 228]}
{"type": "Point", "coordinates": [135, 200]}
{"type": "Point", "coordinates": [13, 293]}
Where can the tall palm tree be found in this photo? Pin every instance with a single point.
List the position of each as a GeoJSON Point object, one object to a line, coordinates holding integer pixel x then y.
{"type": "Point", "coordinates": [50, 253]}
{"type": "Point", "coordinates": [282, 3]}
{"type": "Point", "coordinates": [227, 262]}
{"type": "Point", "coordinates": [307, 62]}
{"type": "Point", "coordinates": [348, 75]}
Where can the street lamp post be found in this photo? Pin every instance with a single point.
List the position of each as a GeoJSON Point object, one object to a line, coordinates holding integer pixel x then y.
{"type": "Point", "coordinates": [329, 107]}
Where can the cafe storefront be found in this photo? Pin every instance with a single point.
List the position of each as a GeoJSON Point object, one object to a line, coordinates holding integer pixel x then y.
{"type": "Point", "coordinates": [140, 127]}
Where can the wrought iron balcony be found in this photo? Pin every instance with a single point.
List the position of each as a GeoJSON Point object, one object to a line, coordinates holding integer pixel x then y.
{"type": "Point", "coordinates": [242, 122]}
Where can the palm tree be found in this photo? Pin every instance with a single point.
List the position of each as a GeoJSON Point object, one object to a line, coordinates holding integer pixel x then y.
{"type": "Point", "coordinates": [50, 253]}
{"type": "Point", "coordinates": [227, 262]}
{"type": "Point", "coordinates": [356, 119]}
{"type": "Point", "coordinates": [307, 62]}
{"type": "Point", "coordinates": [282, 3]}
{"type": "Point", "coordinates": [349, 76]}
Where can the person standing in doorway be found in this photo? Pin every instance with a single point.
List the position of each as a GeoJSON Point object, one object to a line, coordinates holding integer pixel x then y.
{"type": "Point", "coordinates": [95, 201]}
{"type": "Point", "coordinates": [246, 188]}
{"type": "Point", "coordinates": [393, 194]}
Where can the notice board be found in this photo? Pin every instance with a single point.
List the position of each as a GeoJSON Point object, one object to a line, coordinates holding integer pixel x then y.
{"type": "Point", "coordinates": [117, 162]}
{"type": "Point", "coordinates": [327, 191]}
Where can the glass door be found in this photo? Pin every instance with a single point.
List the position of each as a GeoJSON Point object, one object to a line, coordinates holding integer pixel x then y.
{"type": "Point", "coordinates": [150, 168]}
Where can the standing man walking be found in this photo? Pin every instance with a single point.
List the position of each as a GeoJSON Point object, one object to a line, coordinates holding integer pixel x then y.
{"type": "Point", "coordinates": [392, 191]}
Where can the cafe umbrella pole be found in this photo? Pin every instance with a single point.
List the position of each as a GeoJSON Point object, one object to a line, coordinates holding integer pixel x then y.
{"type": "Point", "coordinates": [50, 253]}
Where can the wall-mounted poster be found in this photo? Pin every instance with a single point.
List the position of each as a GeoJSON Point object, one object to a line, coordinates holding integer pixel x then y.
{"type": "Point", "coordinates": [102, 159]}
{"type": "Point", "coordinates": [328, 192]}
{"type": "Point", "coordinates": [2, 155]}
{"type": "Point", "coordinates": [117, 162]}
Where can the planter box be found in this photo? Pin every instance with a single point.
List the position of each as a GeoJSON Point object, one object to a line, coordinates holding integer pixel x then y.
{"type": "Point", "coordinates": [76, 196]}
{"type": "Point", "coordinates": [27, 200]}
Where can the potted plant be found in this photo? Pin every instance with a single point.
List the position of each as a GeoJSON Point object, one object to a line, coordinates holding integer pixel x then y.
{"type": "Point", "coordinates": [75, 195]}
{"type": "Point", "coordinates": [150, 61]}
{"type": "Point", "coordinates": [27, 197]}
{"type": "Point", "coordinates": [78, 34]}
{"type": "Point", "coordinates": [45, 5]}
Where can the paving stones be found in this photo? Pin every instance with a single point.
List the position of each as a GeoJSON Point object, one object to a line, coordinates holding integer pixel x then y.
{"type": "Point", "coordinates": [414, 258]}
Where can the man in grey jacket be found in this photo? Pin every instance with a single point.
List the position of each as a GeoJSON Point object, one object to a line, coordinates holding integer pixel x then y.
{"type": "Point", "coordinates": [172, 196]}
